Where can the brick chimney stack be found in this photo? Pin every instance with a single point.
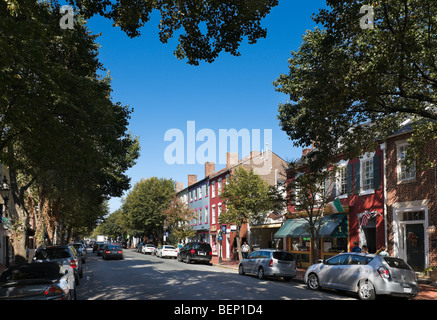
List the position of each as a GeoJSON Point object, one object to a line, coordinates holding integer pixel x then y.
{"type": "Point", "coordinates": [192, 178]}
{"type": "Point", "coordinates": [231, 159]}
{"type": "Point", "coordinates": [209, 168]}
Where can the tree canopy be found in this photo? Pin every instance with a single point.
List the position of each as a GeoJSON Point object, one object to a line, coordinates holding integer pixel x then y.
{"type": "Point", "coordinates": [205, 27]}
{"type": "Point", "coordinates": [351, 86]}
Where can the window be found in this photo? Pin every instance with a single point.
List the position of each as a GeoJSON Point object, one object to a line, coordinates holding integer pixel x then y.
{"type": "Point", "coordinates": [367, 174]}
{"type": "Point", "coordinates": [340, 259]}
{"type": "Point", "coordinates": [206, 189]}
{"type": "Point", "coordinates": [219, 209]}
{"type": "Point", "coordinates": [404, 173]}
{"type": "Point", "coordinates": [213, 214]}
{"type": "Point", "coordinates": [219, 187]}
{"type": "Point", "coordinates": [200, 216]}
{"type": "Point", "coordinates": [200, 192]}
{"type": "Point", "coordinates": [206, 214]}
{"type": "Point", "coordinates": [342, 181]}
{"type": "Point", "coordinates": [413, 215]}
{"type": "Point", "coordinates": [213, 189]}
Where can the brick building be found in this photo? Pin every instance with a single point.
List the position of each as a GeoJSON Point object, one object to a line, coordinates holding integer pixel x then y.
{"type": "Point", "coordinates": [411, 204]}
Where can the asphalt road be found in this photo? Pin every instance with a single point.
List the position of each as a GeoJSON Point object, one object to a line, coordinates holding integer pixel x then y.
{"type": "Point", "coordinates": [145, 277]}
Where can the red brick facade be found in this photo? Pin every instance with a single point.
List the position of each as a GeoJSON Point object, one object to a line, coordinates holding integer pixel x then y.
{"type": "Point", "coordinates": [411, 207]}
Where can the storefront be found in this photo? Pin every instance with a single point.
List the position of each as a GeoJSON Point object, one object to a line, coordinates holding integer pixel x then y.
{"type": "Point", "coordinates": [333, 237]}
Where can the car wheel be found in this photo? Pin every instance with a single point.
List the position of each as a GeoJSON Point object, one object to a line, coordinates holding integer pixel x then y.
{"type": "Point", "coordinates": [313, 282]}
{"type": "Point", "coordinates": [261, 273]}
{"type": "Point", "coordinates": [187, 260]}
{"type": "Point", "coordinates": [366, 291]}
{"type": "Point", "coordinates": [179, 258]}
{"type": "Point", "coordinates": [241, 269]}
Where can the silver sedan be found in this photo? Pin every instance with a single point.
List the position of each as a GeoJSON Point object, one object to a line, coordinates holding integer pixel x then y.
{"type": "Point", "coordinates": [368, 275]}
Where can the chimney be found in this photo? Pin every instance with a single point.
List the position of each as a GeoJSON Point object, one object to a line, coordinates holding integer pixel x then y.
{"type": "Point", "coordinates": [231, 159]}
{"type": "Point", "coordinates": [179, 186]}
{"type": "Point", "coordinates": [209, 168]}
{"type": "Point", "coordinates": [192, 178]}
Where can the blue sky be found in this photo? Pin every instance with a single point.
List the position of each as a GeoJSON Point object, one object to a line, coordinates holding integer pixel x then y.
{"type": "Point", "coordinates": [231, 93]}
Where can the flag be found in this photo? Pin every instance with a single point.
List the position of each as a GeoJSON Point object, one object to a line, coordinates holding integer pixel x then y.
{"type": "Point", "coordinates": [365, 218]}
{"type": "Point", "coordinates": [336, 206]}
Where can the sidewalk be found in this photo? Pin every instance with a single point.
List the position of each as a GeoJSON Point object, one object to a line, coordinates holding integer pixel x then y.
{"type": "Point", "coordinates": [427, 291]}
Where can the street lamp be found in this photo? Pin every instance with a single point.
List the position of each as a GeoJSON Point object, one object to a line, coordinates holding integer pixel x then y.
{"type": "Point", "coordinates": [4, 191]}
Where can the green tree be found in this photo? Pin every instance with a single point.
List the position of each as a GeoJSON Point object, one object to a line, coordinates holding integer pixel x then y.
{"type": "Point", "coordinates": [145, 204]}
{"type": "Point", "coordinates": [177, 220]}
{"type": "Point", "coordinates": [205, 27]}
{"type": "Point", "coordinates": [308, 195]}
{"type": "Point", "coordinates": [248, 200]}
{"type": "Point", "coordinates": [58, 125]}
{"type": "Point", "coordinates": [350, 86]}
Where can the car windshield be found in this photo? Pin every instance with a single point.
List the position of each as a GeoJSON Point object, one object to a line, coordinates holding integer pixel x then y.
{"type": "Point", "coordinates": [31, 271]}
{"type": "Point", "coordinates": [283, 255]}
{"type": "Point", "coordinates": [52, 253]}
{"type": "Point", "coordinates": [396, 263]}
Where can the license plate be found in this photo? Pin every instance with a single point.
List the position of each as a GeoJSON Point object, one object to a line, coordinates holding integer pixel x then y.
{"type": "Point", "coordinates": [408, 290]}
{"type": "Point", "coordinates": [202, 253]}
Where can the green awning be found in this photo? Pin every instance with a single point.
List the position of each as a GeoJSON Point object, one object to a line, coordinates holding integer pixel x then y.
{"type": "Point", "coordinates": [334, 226]}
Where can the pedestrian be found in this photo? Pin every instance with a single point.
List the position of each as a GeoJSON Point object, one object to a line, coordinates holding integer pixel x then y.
{"type": "Point", "coordinates": [382, 251]}
{"type": "Point", "coordinates": [356, 247]}
{"type": "Point", "coordinates": [364, 249]}
{"type": "Point", "coordinates": [245, 250]}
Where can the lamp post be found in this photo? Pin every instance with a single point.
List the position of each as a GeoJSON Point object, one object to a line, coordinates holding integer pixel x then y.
{"type": "Point", "coordinates": [4, 191]}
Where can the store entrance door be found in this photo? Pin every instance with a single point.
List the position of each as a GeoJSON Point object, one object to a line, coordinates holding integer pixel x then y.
{"type": "Point", "coordinates": [415, 244]}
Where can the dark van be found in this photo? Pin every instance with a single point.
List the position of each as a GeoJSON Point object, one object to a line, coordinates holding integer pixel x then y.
{"type": "Point", "coordinates": [195, 251]}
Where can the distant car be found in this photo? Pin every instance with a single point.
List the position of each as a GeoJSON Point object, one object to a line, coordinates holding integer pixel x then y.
{"type": "Point", "coordinates": [195, 251]}
{"type": "Point", "coordinates": [96, 245]}
{"type": "Point", "coordinates": [269, 263]}
{"type": "Point", "coordinates": [81, 250]}
{"type": "Point", "coordinates": [112, 251]}
{"type": "Point", "coordinates": [368, 275]}
{"type": "Point", "coordinates": [63, 255]}
{"type": "Point", "coordinates": [37, 281]}
{"type": "Point", "coordinates": [147, 248]}
{"type": "Point", "coordinates": [167, 251]}
{"type": "Point", "coordinates": [100, 248]}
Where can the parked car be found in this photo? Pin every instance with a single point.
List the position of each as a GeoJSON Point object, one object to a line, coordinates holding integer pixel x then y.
{"type": "Point", "coordinates": [37, 281]}
{"type": "Point", "coordinates": [368, 275]}
{"type": "Point", "coordinates": [195, 251]}
{"type": "Point", "coordinates": [147, 248]}
{"type": "Point", "coordinates": [100, 248]}
{"type": "Point", "coordinates": [167, 251]}
{"type": "Point", "coordinates": [269, 263]}
{"type": "Point", "coordinates": [96, 245]}
{"type": "Point", "coordinates": [63, 255]}
{"type": "Point", "coordinates": [81, 250]}
{"type": "Point", "coordinates": [112, 251]}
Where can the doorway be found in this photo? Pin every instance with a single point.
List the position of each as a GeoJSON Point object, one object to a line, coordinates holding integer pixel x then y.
{"type": "Point", "coordinates": [414, 244]}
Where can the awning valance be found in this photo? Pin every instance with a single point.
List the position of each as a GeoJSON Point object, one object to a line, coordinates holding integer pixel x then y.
{"type": "Point", "coordinates": [334, 225]}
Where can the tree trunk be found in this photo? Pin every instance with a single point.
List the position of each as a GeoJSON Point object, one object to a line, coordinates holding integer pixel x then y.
{"type": "Point", "coordinates": [240, 254]}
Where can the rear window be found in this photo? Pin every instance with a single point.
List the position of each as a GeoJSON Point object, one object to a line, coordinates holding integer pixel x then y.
{"type": "Point", "coordinates": [114, 248]}
{"type": "Point", "coordinates": [57, 253]}
{"type": "Point", "coordinates": [169, 247]}
{"type": "Point", "coordinates": [202, 246]}
{"type": "Point", "coordinates": [31, 271]}
{"type": "Point", "coordinates": [282, 255]}
{"type": "Point", "coordinates": [397, 263]}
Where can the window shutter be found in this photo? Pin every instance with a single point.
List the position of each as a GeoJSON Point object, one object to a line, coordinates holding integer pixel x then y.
{"type": "Point", "coordinates": [349, 179]}
{"type": "Point", "coordinates": [357, 177]}
{"type": "Point", "coordinates": [377, 172]}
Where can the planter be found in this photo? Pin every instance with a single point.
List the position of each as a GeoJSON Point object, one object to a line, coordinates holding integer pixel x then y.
{"type": "Point", "coordinates": [433, 275]}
